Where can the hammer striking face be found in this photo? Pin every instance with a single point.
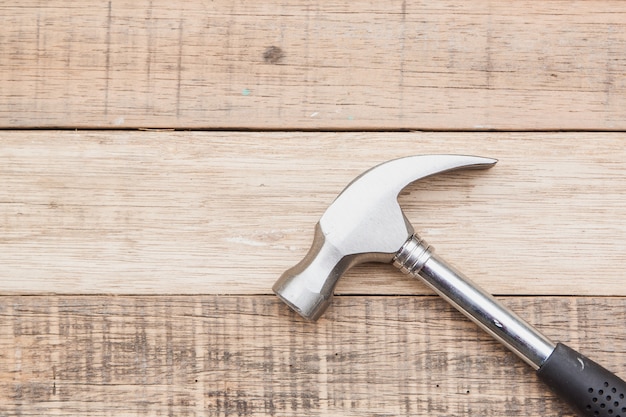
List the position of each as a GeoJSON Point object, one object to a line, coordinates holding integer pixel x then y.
{"type": "Point", "coordinates": [365, 223]}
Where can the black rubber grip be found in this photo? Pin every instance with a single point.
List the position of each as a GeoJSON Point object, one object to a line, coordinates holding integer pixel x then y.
{"type": "Point", "coordinates": [590, 389]}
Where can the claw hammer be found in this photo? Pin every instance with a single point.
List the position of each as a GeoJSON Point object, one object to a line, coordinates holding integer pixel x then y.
{"type": "Point", "coordinates": [365, 223]}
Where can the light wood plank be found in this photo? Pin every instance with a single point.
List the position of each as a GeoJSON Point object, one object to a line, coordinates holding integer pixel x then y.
{"type": "Point", "coordinates": [227, 212]}
{"type": "Point", "coordinates": [249, 356]}
{"type": "Point", "coordinates": [291, 64]}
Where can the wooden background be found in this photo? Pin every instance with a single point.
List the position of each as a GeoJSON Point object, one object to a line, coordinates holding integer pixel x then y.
{"type": "Point", "coordinates": [162, 162]}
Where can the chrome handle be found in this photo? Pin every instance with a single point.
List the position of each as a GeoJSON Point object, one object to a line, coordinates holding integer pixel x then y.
{"type": "Point", "coordinates": [416, 258]}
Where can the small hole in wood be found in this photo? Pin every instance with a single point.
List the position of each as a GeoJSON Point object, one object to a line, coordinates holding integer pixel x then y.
{"type": "Point", "coordinates": [273, 55]}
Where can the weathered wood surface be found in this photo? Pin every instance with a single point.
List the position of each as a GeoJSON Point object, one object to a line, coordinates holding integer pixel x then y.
{"type": "Point", "coordinates": [494, 64]}
{"type": "Point", "coordinates": [227, 212]}
{"type": "Point", "coordinates": [167, 216]}
{"type": "Point", "coordinates": [250, 356]}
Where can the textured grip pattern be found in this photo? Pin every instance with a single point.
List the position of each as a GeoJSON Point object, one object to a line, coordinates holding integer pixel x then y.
{"type": "Point", "coordinates": [588, 387]}
{"type": "Point", "coordinates": [607, 400]}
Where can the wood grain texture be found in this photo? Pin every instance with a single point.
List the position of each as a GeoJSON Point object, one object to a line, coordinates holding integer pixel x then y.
{"type": "Point", "coordinates": [164, 245]}
{"type": "Point", "coordinates": [295, 64]}
{"type": "Point", "coordinates": [226, 213]}
{"type": "Point", "coordinates": [250, 356]}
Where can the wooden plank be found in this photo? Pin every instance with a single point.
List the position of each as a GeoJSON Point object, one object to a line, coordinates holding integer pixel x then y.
{"type": "Point", "coordinates": [249, 356]}
{"type": "Point", "coordinates": [290, 64]}
{"type": "Point", "coordinates": [227, 212]}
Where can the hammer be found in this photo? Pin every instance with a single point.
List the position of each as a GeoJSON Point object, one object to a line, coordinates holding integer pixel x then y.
{"type": "Point", "coordinates": [366, 224]}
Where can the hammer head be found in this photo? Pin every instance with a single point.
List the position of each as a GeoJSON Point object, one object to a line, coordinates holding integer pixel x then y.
{"type": "Point", "coordinates": [365, 223]}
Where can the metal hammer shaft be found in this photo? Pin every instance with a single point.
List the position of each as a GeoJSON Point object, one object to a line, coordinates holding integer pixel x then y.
{"type": "Point", "coordinates": [589, 388]}
{"type": "Point", "coordinates": [416, 258]}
